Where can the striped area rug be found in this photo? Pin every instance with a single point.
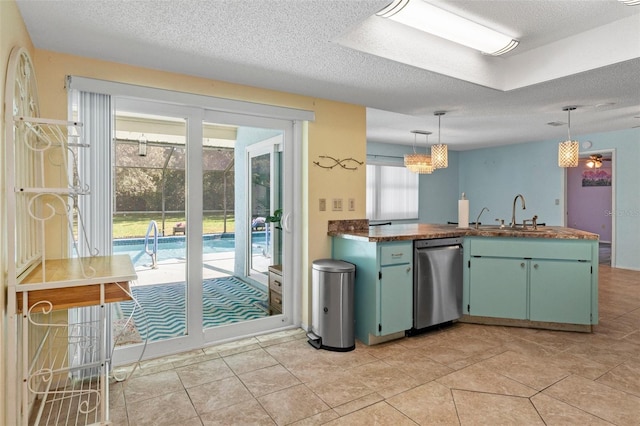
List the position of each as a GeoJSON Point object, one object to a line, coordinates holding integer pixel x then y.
{"type": "Point", "coordinates": [225, 300]}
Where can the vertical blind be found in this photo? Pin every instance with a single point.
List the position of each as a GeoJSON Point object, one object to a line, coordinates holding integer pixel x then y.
{"type": "Point", "coordinates": [392, 193]}
{"type": "Point", "coordinates": [94, 171]}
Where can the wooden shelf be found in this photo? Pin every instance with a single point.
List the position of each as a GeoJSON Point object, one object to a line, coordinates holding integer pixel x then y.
{"type": "Point", "coordinates": [63, 282]}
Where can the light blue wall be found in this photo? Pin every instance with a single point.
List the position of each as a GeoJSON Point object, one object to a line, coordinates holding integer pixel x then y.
{"type": "Point", "coordinates": [492, 177]}
{"type": "Point", "coordinates": [626, 144]}
{"type": "Point", "coordinates": [439, 195]}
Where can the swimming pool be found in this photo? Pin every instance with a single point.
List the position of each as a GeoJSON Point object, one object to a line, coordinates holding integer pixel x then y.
{"type": "Point", "coordinates": [176, 248]}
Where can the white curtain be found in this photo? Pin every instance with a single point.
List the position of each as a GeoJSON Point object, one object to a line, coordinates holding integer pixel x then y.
{"type": "Point", "coordinates": [95, 209]}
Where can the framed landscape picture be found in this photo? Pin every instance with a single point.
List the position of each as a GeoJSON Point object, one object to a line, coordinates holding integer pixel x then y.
{"type": "Point", "coordinates": [598, 177]}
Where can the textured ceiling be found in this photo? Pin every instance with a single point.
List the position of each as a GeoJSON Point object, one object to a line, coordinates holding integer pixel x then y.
{"type": "Point", "coordinates": [572, 52]}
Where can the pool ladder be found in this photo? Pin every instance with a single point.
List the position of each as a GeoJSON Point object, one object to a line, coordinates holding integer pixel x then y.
{"type": "Point", "coordinates": [152, 249]}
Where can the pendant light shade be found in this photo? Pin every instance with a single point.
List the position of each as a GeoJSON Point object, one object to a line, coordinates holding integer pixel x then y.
{"type": "Point", "coordinates": [568, 150]}
{"type": "Point", "coordinates": [419, 163]}
{"type": "Point", "coordinates": [440, 151]}
{"type": "Point", "coordinates": [440, 156]}
{"type": "Point", "coordinates": [568, 154]}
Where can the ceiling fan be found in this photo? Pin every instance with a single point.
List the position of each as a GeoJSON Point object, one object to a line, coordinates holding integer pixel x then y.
{"type": "Point", "coordinates": [595, 161]}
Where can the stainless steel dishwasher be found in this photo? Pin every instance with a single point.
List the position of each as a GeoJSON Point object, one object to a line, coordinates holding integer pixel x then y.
{"type": "Point", "coordinates": [437, 282]}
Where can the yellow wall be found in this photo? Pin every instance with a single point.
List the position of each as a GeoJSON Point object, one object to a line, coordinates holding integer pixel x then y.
{"type": "Point", "coordinates": [339, 130]}
{"type": "Point", "coordinates": [345, 137]}
{"type": "Point", "coordinates": [13, 33]}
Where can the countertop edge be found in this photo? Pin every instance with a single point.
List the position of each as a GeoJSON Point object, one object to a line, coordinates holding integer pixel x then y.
{"type": "Point", "coordinates": [426, 231]}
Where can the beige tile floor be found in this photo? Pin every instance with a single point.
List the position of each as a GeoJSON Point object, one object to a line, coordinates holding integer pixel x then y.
{"type": "Point", "coordinates": [463, 375]}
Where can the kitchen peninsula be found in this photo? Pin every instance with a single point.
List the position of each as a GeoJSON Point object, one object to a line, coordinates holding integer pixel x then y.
{"type": "Point", "coordinates": [540, 278]}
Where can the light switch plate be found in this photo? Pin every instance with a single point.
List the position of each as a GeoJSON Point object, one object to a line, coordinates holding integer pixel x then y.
{"type": "Point", "coordinates": [322, 205]}
{"type": "Point", "coordinates": [352, 204]}
{"type": "Point", "coordinates": [337, 205]}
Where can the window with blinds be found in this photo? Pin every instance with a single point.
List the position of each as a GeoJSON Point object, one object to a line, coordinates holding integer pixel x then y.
{"type": "Point", "coordinates": [392, 193]}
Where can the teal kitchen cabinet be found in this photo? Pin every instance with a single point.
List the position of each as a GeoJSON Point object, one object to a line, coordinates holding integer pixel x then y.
{"type": "Point", "coordinates": [534, 279]}
{"type": "Point", "coordinates": [560, 291]}
{"type": "Point", "coordinates": [383, 292]}
{"type": "Point", "coordinates": [503, 294]}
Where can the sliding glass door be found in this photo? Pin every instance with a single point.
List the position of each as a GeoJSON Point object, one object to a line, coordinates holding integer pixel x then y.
{"type": "Point", "coordinates": [195, 197]}
{"type": "Point", "coordinates": [237, 302]}
{"type": "Point", "coordinates": [152, 145]}
{"type": "Point", "coordinates": [263, 207]}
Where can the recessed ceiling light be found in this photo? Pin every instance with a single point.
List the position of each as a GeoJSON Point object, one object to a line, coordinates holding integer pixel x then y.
{"type": "Point", "coordinates": [430, 19]}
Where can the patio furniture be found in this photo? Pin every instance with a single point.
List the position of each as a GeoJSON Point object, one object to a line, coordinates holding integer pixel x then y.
{"type": "Point", "coordinates": [179, 229]}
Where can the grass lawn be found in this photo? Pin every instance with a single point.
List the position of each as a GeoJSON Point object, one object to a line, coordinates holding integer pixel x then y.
{"type": "Point", "coordinates": [132, 225]}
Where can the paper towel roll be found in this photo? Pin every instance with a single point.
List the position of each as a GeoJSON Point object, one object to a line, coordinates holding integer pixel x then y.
{"type": "Point", "coordinates": [463, 213]}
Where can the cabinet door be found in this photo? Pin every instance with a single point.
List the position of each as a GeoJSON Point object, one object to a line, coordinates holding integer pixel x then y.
{"type": "Point", "coordinates": [396, 299]}
{"type": "Point", "coordinates": [560, 291]}
{"type": "Point", "coordinates": [498, 287]}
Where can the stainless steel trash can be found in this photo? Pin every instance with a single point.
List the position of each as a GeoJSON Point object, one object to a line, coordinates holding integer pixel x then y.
{"type": "Point", "coordinates": [332, 319]}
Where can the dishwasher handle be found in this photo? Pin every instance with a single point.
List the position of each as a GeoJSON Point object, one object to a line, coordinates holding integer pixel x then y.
{"type": "Point", "coordinates": [437, 242]}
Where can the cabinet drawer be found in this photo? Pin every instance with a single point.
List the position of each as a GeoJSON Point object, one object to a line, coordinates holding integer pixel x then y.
{"type": "Point", "coordinates": [393, 254]}
{"type": "Point", "coordinates": [531, 248]}
{"type": "Point", "coordinates": [275, 300]}
{"type": "Point", "coordinates": [275, 283]}
{"type": "Point", "coordinates": [275, 278]}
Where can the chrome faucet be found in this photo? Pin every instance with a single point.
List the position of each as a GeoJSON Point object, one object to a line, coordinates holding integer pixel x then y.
{"type": "Point", "coordinates": [513, 212]}
{"type": "Point", "coordinates": [478, 219]}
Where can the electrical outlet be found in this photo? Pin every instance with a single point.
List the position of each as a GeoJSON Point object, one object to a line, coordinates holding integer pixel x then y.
{"type": "Point", "coordinates": [322, 205]}
{"type": "Point", "coordinates": [557, 201]}
{"type": "Point", "coordinates": [337, 205]}
{"type": "Point", "coordinates": [352, 204]}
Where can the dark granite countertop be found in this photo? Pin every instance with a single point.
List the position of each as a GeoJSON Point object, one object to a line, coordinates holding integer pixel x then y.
{"type": "Point", "coordinates": [360, 230]}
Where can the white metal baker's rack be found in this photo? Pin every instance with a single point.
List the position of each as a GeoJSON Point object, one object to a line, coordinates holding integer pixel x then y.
{"type": "Point", "coordinates": [57, 373]}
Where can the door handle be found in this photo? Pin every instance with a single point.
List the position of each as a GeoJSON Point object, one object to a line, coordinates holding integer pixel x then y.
{"type": "Point", "coordinates": [286, 222]}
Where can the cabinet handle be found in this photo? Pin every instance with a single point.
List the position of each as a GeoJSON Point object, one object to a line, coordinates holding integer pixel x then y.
{"type": "Point", "coordinates": [535, 266]}
{"type": "Point", "coordinates": [522, 265]}
{"type": "Point", "coordinates": [396, 255]}
{"type": "Point", "coordinates": [278, 283]}
{"type": "Point", "coordinates": [408, 268]}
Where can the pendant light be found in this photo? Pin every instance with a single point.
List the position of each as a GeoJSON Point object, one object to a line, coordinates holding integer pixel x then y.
{"type": "Point", "coordinates": [419, 163]}
{"type": "Point", "coordinates": [568, 150]}
{"type": "Point", "coordinates": [439, 152]}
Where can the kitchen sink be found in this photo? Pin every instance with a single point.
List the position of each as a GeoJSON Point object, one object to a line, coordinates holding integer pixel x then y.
{"type": "Point", "coordinates": [509, 230]}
